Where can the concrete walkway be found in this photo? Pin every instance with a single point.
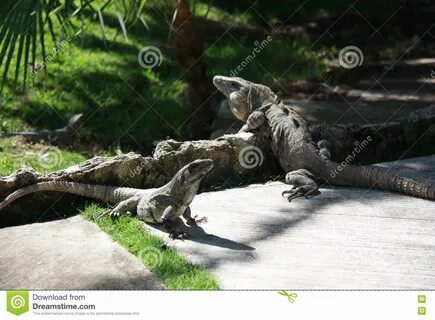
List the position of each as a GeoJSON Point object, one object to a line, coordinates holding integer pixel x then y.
{"type": "Point", "coordinates": [68, 254]}
{"type": "Point", "coordinates": [346, 238]}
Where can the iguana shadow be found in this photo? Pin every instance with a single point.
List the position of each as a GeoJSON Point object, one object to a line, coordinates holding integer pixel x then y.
{"type": "Point", "coordinates": [197, 234]}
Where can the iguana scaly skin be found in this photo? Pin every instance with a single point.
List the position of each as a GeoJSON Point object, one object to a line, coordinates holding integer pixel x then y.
{"type": "Point", "coordinates": [307, 164]}
{"type": "Point", "coordinates": [162, 205]}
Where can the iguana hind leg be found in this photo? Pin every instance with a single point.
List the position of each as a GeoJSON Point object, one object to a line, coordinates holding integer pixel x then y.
{"type": "Point", "coordinates": [324, 147]}
{"type": "Point", "coordinates": [303, 185]}
{"type": "Point", "coordinates": [187, 214]}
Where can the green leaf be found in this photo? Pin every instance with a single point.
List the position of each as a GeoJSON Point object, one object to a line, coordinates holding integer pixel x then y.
{"type": "Point", "coordinates": [26, 58]}
{"type": "Point", "coordinates": [103, 27]}
{"type": "Point", "coordinates": [121, 22]}
{"type": "Point", "coordinates": [40, 20]}
{"type": "Point", "coordinates": [142, 5]}
{"type": "Point", "coordinates": [171, 27]}
{"type": "Point", "coordinates": [55, 10]}
{"type": "Point", "coordinates": [10, 54]}
{"type": "Point", "coordinates": [142, 19]}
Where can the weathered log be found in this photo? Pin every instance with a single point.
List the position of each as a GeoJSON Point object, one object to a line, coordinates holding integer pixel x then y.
{"type": "Point", "coordinates": [237, 157]}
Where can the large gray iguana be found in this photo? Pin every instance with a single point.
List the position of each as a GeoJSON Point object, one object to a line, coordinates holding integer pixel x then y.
{"type": "Point", "coordinates": [306, 163]}
{"type": "Point", "coordinates": [162, 205]}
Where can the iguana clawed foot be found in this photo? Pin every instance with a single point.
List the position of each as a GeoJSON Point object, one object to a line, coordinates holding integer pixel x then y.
{"type": "Point", "coordinates": [175, 229]}
{"type": "Point", "coordinates": [304, 191]}
{"type": "Point", "coordinates": [123, 206]}
{"type": "Point", "coordinates": [178, 235]}
{"type": "Point", "coordinates": [303, 185]}
{"type": "Point", "coordinates": [324, 147]}
{"type": "Point", "coordinates": [111, 213]}
{"type": "Point", "coordinates": [195, 220]}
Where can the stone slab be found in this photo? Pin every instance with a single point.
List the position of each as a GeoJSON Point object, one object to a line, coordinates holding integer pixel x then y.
{"type": "Point", "coordinates": [68, 254]}
{"type": "Point", "coordinates": [345, 238]}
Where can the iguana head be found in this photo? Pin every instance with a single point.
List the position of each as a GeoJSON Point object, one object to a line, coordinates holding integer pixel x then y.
{"type": "Point", "coordinates": [185, 183]}
{"type": "Point", "coordinates": [195, 171]}
{"type": "Point", "coordinates": [243, 96]}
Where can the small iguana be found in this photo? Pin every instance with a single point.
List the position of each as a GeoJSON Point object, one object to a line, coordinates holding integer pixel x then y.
{"type": "Point", "coordinates": [63, 136]}
{"type": "Point", "coordinates": [162, 205]}
{"type": "Point", "coordinates": [306, 163]}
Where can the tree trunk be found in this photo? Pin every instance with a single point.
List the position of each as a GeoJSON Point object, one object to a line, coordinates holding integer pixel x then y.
{"type": "Point", "coordinates": [189, 41]}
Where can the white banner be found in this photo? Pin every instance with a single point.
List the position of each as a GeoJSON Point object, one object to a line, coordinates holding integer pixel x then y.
{"type": "Point", "coordinates": [192, 305]}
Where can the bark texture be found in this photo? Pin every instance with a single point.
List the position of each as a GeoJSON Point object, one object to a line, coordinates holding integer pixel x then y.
{"type": "Point", "coordinates": [189, 41]}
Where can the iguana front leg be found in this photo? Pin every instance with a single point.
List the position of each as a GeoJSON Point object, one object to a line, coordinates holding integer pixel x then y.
{"type": "Point", "coordinates": [187, 214]}
{"type": "Point", "coordinates": [173, 225]}
{"type": "Point", "coordinates": [123, 206]}
{"type": "Point", "coordinates": [303, 185]}
{"type": "Point", "coordinates": [254, 120]}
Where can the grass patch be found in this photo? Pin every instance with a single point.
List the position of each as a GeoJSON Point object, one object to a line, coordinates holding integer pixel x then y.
{"type": "Point", "coordinates": [125, 104]}
{"type": "Point", "coordinates": [174, 270]}
{"type": "Point", "coordinates": [292, 59]}
{"type": "Point", "coordinates": [15, 154]}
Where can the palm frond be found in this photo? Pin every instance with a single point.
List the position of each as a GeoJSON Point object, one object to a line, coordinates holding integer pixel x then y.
{"type": "Point", "coordinates": [122, 24]}
{"type": "Point", "coordinates": [24, 25]}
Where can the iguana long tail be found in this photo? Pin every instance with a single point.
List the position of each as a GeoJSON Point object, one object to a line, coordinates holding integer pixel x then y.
{"type": "Point", "coordinates": [370, 177]}
{"type": "Point", "coordinates": [94, 191]}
